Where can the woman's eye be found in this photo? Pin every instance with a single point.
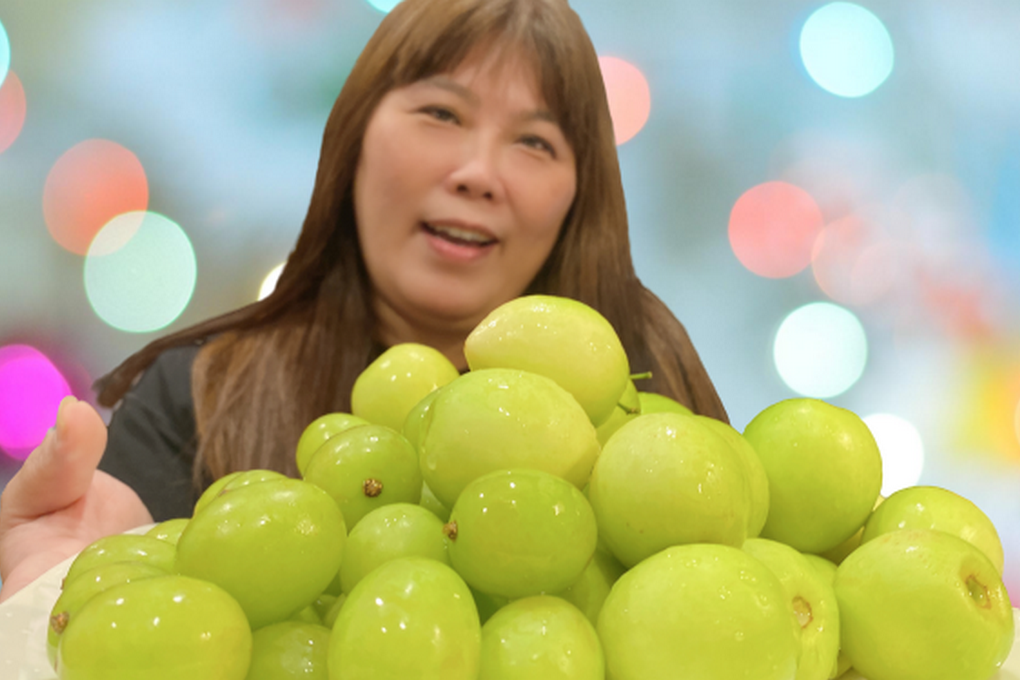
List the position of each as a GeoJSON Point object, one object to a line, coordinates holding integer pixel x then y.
{"type": "Point", "coordinates": [540, 144]}
{"type": "Point", "coordinates": [439, 113]}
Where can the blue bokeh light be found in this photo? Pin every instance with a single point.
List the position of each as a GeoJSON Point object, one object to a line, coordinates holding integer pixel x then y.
{"type": "Point", "coordinates": [846, 49]}
{"type": "Point", "coordinates": [5, 54]}
{"type": "Point", "coordinates": [384, 6]}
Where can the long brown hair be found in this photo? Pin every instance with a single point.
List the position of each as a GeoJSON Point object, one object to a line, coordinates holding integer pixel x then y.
{"type": "Point", "coordinates": [272, 367]}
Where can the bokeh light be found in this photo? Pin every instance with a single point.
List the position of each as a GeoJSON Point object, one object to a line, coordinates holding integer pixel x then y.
{"type": "Point", "coordinates": [12, 110]}
{"type": "Point", "coordinates": [90, 184]}
{"type": "Point", "coordinates": [5, 53]}
{"type": "Point", "coordinates": [385, 6]}
{"type": "Point", "coordinates": [902, 451]}
{"type": "Point", "coordinates": [846, 49]}
{"type": "Point", "coordinates": [853, 262]}
{"type": "Point", "coordinates": [773, 228]}
{"type": "Point", "coordinates": [140, 272]}
{"type": "Point", "coordinates": [987, 415]}
{"type": "Point", "coordinates": [31, 388]}
{"type": "Point", "coordinates": [630, 98]}
{"type": "Point", "coordinates": [269, 283]}
{"type": "Point", "coordinates": [821, 350]}
{"type": "Point", "coordinates": [1016, 422]}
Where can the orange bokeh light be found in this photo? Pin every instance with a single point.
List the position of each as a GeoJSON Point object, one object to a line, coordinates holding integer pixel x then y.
{"type": "Point", "coordinates": [93, 182]}
{"type": "Point", "coordinates": [773, 228]}
{"type": "Point", "coordinates": [630, 98]}
{"type": "Point", "coordinates": [12, 110]}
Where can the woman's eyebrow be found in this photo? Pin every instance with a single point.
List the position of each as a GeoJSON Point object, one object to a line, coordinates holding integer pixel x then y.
{"type": "Point", "coordinates": [447, 83]}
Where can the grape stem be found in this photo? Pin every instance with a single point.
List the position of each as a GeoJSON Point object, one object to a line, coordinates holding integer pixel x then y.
{"type": "Point", "coordinates": [642, 376]}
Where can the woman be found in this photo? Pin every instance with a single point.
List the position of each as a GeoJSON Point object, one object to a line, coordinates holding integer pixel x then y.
{"type": "Point", "coordinates": [469, 159]}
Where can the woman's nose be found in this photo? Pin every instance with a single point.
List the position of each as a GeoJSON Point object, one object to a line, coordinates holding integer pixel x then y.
{"type": "Point", "coordinates": [477, 175]}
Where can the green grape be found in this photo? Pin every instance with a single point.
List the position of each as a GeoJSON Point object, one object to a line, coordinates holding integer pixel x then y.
{"type": "Point", "coordinates": [812, 600]}
{"type": "Point", "coordinates": [540, 638]}
{"type": "Point", "coordinates": [169, 531]}
{"type": "Point", "coordinates": [828, 570]}
{"type": "Point", "coordinates": [89, 583]}
{"type": "Point", "coordinates": [307, 615]}
{"type": "Point", "coordinates": [626, 410]}
{"type": "Point", "coordinates": [499, 419]}
{"type": "Point", "coordinates": [666, 479]}
{"type": "Point", "coordinates": [389, 532]}
{"type": "Point", "coordinates": [213, 491]}
{"type": "Point", "coordinates": [521, 532]}
{"type": "Point", "coordinates": [365, 468]}
{"type": "Point", "coordinates": [824, 470]}
{"type": "Point", "coordinates": [592, 588]}
{"type": "Point", "coordinates": [323, 603]}
{"type": "Point", "coordinates": [232, 482]}
{"type": "Point", "coordinates": [289, 649]}
{"type": "Point", "coordinates": [319, 432]}
{"type": "Point", "coordinates": [560, 338]}
{"type": "Point", "coordinates": [273, 546]}
{"type": "Point", "coordinates": [920, 603]}
{"type": "Point", "coordinates": [411, 618]}
{"type": "Point", "coordinates": [699, 611]}
{"type": "Point", "coordinates": [487, 605]}
{"type": "Point", "coordinates": [433, 504]}
{"type": "Point", "coordinates": [317, 611]}
{"type": "Point", "coordinates": [416, 423]}
{"type": "Point", "coordinates": [122, 548]}
{"type": "Point", "coordinates": [158, 628]}
{"type": "Point", "coordinates": [329, 618]}
{"type": "Point", "coordinates": [390, 387]}
{"type": "Point", "coordinates": [650, 402]}
{"type": "Point", "coordinates": [758, 482]}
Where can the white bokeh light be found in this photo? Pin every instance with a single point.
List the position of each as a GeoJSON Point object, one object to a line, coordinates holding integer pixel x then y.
{"type": "Point", "coordinates": [821, 350]}
{"type": "Point", "coordinates": [902, 451]}
{"type": "Point", "coordinates": [269, 283]}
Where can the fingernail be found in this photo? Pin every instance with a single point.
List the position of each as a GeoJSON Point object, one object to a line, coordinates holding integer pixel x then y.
{"type": "Point", "coordinates": [61, 410]}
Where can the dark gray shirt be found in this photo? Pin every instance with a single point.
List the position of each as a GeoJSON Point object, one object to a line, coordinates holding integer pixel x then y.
{"type": "Point", "coordinates": [152, 438]}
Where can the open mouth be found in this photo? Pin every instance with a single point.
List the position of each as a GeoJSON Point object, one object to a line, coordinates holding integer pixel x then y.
{"type": "Point", "coordinates": [460, 237]}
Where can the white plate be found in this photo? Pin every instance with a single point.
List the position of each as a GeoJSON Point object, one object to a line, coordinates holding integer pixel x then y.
{"type": "Point", "coordinates": [24, 617]}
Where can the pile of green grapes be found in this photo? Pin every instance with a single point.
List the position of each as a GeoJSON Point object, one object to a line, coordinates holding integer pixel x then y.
{"type": "Point", "coordinates": [539, 517]}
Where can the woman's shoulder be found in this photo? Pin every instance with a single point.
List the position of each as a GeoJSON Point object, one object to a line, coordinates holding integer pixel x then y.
{"type": "Point", "coordinates": [167, 380]}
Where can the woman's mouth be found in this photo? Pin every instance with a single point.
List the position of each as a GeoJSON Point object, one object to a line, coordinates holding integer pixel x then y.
{"type": "Point", "coordinates": [457, 243]}
{"type": "Point", "coordinates": [459, 235]}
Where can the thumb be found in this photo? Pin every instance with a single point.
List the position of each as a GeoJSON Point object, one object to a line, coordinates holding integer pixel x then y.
{"type": "Point", "coordinates": [59, 471]}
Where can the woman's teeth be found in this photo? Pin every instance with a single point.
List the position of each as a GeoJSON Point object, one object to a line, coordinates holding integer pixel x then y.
{"type": "Point", "coordinates": [459, 235]}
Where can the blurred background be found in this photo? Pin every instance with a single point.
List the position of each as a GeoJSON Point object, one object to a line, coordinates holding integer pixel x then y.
{"type": "Point", "coordinates": [827, 195]}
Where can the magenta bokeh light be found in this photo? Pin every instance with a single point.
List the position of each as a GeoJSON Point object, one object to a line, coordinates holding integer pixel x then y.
{"type": "Point", "coordinates": [31, 388]}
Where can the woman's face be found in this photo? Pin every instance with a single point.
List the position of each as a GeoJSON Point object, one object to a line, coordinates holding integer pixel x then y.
{"type": "Point", "coordinates": [462, 186]}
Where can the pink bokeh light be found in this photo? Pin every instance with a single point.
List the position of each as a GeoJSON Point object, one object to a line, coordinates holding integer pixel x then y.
{"type": "Point", "coordinates": [773, 228]}
{"type": "Point", "coordinates": [31, 388]}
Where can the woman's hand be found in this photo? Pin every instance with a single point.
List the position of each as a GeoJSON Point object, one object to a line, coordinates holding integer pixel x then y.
{"type": "Point", "coordinates": [58, 502]}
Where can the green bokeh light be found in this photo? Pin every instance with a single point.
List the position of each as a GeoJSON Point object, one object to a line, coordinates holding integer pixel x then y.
{"type": "Point", "coordinates": [140, 278]}
{"type": "Point", "coordinates": [5, 53]}
{"type": "Point", "coordinates": [821, 350]}
{"type": "Point", "coordinates": [846, 49]}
